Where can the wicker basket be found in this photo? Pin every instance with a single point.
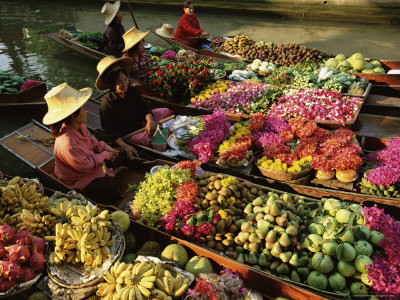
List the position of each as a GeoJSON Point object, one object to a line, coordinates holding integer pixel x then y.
{"type": "Point", "coordinates": [283, 176]}
{"type": "Point", "coordinates": [22, 181]}
{"type": "Point", "coordinates": [21, 287]}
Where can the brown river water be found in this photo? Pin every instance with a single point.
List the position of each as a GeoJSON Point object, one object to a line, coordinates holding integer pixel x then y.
{"type": "Point", "coordinates": [25, 49]}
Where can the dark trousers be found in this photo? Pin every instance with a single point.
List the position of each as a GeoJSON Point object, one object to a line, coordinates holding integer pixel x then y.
{"type": "Point", "coordinates": [106, 190]}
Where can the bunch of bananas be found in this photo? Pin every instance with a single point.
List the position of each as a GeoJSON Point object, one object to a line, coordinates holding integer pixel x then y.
{"type": "Point", "coordinates": [143, 280]}
{"type": "Point", "coordinates": [15, 198]}
{"type": "Point", "coordinates": [11, 220]}
{"type": "Point", "coordinates": [367, 187]}
{"type": "Point", "coordinates": [85, 238]}
{"type": "Point", "coordinates": [35, 223]}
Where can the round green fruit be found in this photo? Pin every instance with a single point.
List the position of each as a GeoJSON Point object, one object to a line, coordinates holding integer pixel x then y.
{"type": "Point", "coordinates": [322, 263]}
{"type": "Point", "coordinates": [316, 228]}
{"type": "Point", "coordinates": [337, 282]}
{"type": "Point", "coordinates": [317, 280]}
{"type": "Point", "coordinates": [329, 248]}
{"type": "Point", "coordinates": [343, 215]}
{"type": "Point", "coordinates": [121, 218]}
{"type": "Point", "coordinates": [197, 265]}
{"type": "Point", "coordinates": [175, 253]}
{"type": "Point", "coordinates": [348, 253]}
{"type": "Point", "coordinates": [375, 238]}
{"type": "Point", "coordinates": [345, 268]}
{"type": "Point", "coordinates": [358, 288]}
{"type": "Point", "coordinates": [363, 248]}
{"type": "Point", "coordinates": [128, 258]}
{"type": "Point", "coordinates": [361, 262]}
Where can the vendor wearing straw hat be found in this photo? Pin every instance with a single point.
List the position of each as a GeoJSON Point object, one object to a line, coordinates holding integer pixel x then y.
{"type": "Point", "coordinates": [134, 48]}
{"type": "Point", "coordinates": [188, 31]}
{"type": "Point", "coordinates": [112, 38]}
{"type": "Point", "coordinates": [79, 157]}
{"type": "Point", "coordinates": [122, 110]}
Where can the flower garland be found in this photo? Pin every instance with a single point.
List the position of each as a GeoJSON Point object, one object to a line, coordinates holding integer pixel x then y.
{"type": "Point", "coordinates": [239, 130]}
{"type": "Point", "coordinates": [388, 170]}
{"type": "Point", "coordinates": [316, 104]}
{"type": "Point", "coordinates": [216, 128]}
{"type": "Point", "coordinates": [239, 97]}
{"type": "Point", "coordinates": [385, 271]}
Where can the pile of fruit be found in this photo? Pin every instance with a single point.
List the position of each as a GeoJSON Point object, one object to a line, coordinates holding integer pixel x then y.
{"type": "Point", "coordinates": [237, 45]}
{"type": "Point", "coordinates": [355, 64]}
{"type": "Point", "coordinates": [12, 84]}
{"type": "Point", "coordinates": [21, 257]}
{"type": "Point", "coordinates": [85, 237]}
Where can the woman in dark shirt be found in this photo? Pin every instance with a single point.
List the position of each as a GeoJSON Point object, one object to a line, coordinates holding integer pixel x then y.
{"type": "Point", "coordinates": [113, 42]}
{"type": "Point", "coordinates": [122, 110]}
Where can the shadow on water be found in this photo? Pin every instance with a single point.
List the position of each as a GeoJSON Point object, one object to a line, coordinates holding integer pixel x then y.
{"type": "Point", "coordinates": [25, 49]}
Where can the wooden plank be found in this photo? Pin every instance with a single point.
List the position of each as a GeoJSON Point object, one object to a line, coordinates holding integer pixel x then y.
{"type": "Point", "coordinates": [382, 100]}
{"type": "Point", "coordinates": [382, 127]}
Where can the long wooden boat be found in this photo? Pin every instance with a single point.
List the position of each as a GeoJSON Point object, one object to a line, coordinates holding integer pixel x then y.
{"type": "Point", "coordinates": [31, 96]}
{"type": "Point", "coordinates": [372, 131]}
{"type": "Point", "coordinates": [40, 157]}
{"type": "Point", "coordinates": [202, 52]}
{"type": "Point", "coordinates": [76, 47]}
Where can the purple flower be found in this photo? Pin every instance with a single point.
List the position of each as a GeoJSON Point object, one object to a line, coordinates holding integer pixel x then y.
{"type": "Point", "coordinates": [276, 125]}
{"type": "Point", "coordinates": [264, 139]}
{"type": "Point", "coordinates": [187, 229]}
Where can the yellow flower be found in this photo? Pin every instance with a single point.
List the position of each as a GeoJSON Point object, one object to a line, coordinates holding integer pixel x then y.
{"type": "Point", "coordinates": [231, 200]}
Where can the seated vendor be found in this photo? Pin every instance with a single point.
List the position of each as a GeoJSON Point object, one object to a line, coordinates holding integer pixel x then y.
{"type": "Point", "coordinates": [188, 31]}
{"type": "Point", "coordinates": [123, 109]}
{"type": "Point", "coordinates": [134, 48]}
{"type": "Point", "coordinates": [112, 42]}
{"type": "Point", "coordinates": [80, 159]}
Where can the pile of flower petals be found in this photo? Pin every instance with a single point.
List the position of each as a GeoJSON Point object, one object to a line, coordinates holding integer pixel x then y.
{"type": "Point", "coordinates": [316, 104]}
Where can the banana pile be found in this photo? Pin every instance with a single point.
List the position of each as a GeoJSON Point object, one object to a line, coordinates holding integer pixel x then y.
{"type": "Point", "coordinates": [367, 187]}
{"type": "Point", "coordinates": [15, 198]}
{"type": "Point", "coordinates": [143, 280]}
{"type": "Point", "coordinates": [85, 237]}
{"type": "Point", "coordinates": [35, 223]}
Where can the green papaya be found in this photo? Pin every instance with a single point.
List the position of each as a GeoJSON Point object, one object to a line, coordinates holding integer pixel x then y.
{"type": "Point", "coordinates": [18, 79]}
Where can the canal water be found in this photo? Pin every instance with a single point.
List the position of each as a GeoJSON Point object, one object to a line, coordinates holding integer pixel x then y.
{"type": "Point", "coordinates": [25, 50]}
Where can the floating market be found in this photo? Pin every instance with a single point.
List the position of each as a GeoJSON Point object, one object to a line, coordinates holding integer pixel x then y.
{"type": "Point", "coordinates": [166, 161]}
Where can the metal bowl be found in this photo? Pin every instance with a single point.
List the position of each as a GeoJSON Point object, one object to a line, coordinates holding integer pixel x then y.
{"type": "Point", "coordinates": [179, 132]}
{"type": "Point", "coordinates": [147, 46]}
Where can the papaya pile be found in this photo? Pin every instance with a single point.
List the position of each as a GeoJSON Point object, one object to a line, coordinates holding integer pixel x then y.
{"type": "Point", "coordinates": [10, 84]}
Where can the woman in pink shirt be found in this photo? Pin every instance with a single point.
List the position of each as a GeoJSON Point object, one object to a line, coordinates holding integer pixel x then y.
{"type": "Point", "coordinates": [80, 159]}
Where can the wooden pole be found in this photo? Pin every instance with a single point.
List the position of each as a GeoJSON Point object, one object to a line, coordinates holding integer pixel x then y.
{"type": "Point", "coordinates": [131, 11]}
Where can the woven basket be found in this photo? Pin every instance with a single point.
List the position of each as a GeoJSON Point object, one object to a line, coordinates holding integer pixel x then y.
{"type": "Point", "coordinates": [283, 176]}
{"type": "Point", "coordinates": [20, 287]}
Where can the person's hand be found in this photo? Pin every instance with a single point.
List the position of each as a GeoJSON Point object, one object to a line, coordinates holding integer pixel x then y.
{"type": "Point", "coordinates": [131, 152]}
{"type": "Point", "coordinates": [150, 126]}
{"type": "Point", "coordinates": [204, 33]}
{"type": "Point", "coordinates": [113, 154]}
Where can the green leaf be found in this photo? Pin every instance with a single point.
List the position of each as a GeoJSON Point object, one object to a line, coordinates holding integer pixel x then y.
{"type": "Point", "coordinates": [178, 224]}
{"type": "Point", "coordinates": [210, 215]}
{"type": "Point", "coordinates": [200, 219]}
{"type": "Point", "coordinates": [191, 221]}
{"type": "Point", "coordinates": [360, 235]}
{"type": "Point", "coordinates": [339, 250]}
{"type": "Point", "coordinates": [352, 218]}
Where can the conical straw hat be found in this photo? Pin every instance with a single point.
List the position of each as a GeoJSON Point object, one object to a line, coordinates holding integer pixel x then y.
{"type": "Point", "coordinates": [166, 30]}
{"type": "Point", "coordinates": [132, 37]}
{"type": "Point", "coordinates": [110, 11]}
{"type": "Point", "coordinates": [124, 63]}
{"type": "Point", "coordinates": [62, 101]}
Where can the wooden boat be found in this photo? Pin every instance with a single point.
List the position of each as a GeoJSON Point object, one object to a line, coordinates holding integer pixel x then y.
{"type": "Point", "coordinates": [386, 79]}
{"type": "Point", "coordinates": [39, 156]}
{"type": "Point", "coordinates": [372, 131]}
{"type": "Point", "coordinates": [31, 96]}
{"type": "Point", "coordinates": [202, 52]}
{"type": "Point", "coordinates": [76, 47]}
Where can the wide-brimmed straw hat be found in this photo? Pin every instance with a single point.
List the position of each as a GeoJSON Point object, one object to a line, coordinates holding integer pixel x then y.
{"type": "Point", "coordinates": [110, 64]}
{"type": "Point", "coordinates": [62, 101]}
{"type": "Point", "coordinates": [166, 30]}
{"type": "Point", "coordinates": [132, 37]}
{"type": "Point", "coordinates": [110, 11]}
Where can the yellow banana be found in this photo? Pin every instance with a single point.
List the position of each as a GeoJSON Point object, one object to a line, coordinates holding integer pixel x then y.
{"type": "Point", "coordinates": [122, 266]}
{"type": "Point", "coordinates": [186, 281]}
{"type": "Point", "coordinates": [159, 294]}
{"type": "Point", "coordinates": [149, 272]}
{"type": "Point", "coordinates": [132, 294]}
{"type": "Point", "coordinates": [168, 285]}
{"type": "Point", "coordinates": [109, 277]}
{"type": "Point", "coordinates": [125, 273]}
{"type": "Point", "coordinates": [62, 208]}
{"type": "Point", "coordinates": [125, 294]}
{"type": "Point", "coordinates": [160, 284]}
{"type": "Point", "coordinates": [147, 284]}
{"type": "Point", "coordinates": [179, 292]}
{"type": "Point", "coordinates": [15, 180]}
{"type": "Point", "coordinates": [148, 278]}
{"type": "Point", "coordinates": [178, 282]}
{"type": "Point", "coordinates": [138, 294]}
{"type": "Point", "coordinates": [143, 290]}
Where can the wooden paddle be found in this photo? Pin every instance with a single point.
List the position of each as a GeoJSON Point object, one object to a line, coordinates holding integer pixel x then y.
{"type": "Point", "coordinates": [131, 11]}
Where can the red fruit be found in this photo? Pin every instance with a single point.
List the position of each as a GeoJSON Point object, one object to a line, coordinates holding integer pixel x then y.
{"type": "Point", "coordinates": [6, 233]}
{"type": "Point", "coordinates": [37, 261]}
{"type": "Point", "coordinates": [22, 237]}
{"type": "Point", "coordinates": [10, 270]}
{"type": "Point", "coordinates": [18, 252]}
{"type": "Point", "coordinates": [38, 244]}
{"type": "Point", "coordinates": [27, 274]}
{"type": "Point", "coordinates": [3, 251]}
{"type": "Point", "coordinates": [6, 284]}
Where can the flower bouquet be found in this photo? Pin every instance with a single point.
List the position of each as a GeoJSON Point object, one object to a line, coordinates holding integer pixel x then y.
{"type": "Point", "coordinates": [179, 81]}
